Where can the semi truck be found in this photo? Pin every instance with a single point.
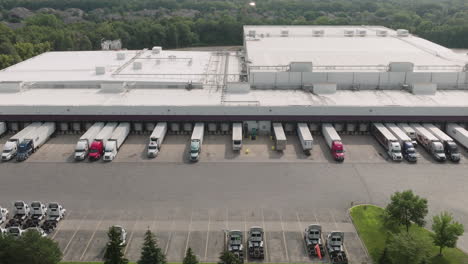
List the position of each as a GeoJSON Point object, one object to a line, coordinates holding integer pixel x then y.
{"type": "Point", "coordinates": [430, 142]}
{"type": "Point", "coordinates": [335, 247]}
{"type": "Point", "coordinates": [116, 140]}
{"type": "Point", "coordinates": [305, 137]}
{"type": "Point", "coordinates": [34, 140]}
{"type": "Point", "coordinates": [387, 140]}
{"type": "Point", "coordinates": [97, 147]}
{"type": "Point", "coordinates": [333, 141]}
{"type": "Point", "coordinates": [450, 147]}
{"type": "Point", "coordinates": [156, 139]}
{"type": "Point", "coordinates": [237, 136]}
{"type": "Point", "coordinates": [84, 143]}
{"type": "Point", "coordinates": [407, 148]}
{"type": "Point", "coordinates": [3, 128]}
{"type": "Point", "coordinates": [255, 243]}
{"type": "Point", "coordinates": [458, 133]}
{"type": "Point", "coordinates": [11, 146]}
{"type": "Point", "coordinates": [196, 141]}
{"type": "Point", "coordinates": [409, 131]}
{"type": "Point", "coordinates": [279, 136]}
{"type": "Point", "coordinates": [313, 240]}
{"type": "Point", "coordinates": [234, 239]}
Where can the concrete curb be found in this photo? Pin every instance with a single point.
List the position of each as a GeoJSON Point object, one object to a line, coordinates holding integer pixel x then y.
{"type": "Point", "coordinates": [354, 225]}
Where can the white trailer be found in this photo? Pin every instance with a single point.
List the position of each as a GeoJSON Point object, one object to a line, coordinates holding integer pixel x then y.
{"type": "Point", "coordinates": [390, 143]}
{"type": "Point", "coordinates": [305, 137]}
{"type": "Point", "coordinates": [280, 137]}
{"type": "Point", "coordinates": [11, 146]}
{"type": "Point", "coordinates": [430, 142]}
{"type": "Point", "coordinates": [458, 133]}
{"type": "Point", "coordinates": [3, 128]}
{"type": "Point", "coordinates": [196, 141]}
{"type": "Point", "coordinates": [84, 143]}
{"type": "Point", "coordinates": [116, 140]}
{"type": "Point", "coordinates": [156, 139]}
{"type": "Point", "coordinates": [450, 147]}
{"type": "Point", "coordinates": [34, 140]}
{"type": "Point", "coordinates": [410, 132]}
{"type": "Point", "coordinates": [236, 136]}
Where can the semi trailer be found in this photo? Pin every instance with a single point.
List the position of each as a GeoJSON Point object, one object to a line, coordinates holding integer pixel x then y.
{"type": "Point", "coordinates": [450, 147]}
{"type": "Point", "coordinates": [156, 139]}
{"type": "Point", "coordinates": [430, 142]}
{"type": "Point", "coordinates": [97, 147]}
{"type": "Point", "coordinates": [387, 140]}
{"type": "Point", "coordinates": [34, 140]}
{"type": "Point", "coordinates": [196, 141]}
{"type": "Point", "coordinates": [279, 136]}
{"type": "Point", "coordinates": [116, 140]}
{"type": "Point", "coordinates": [237, 136]}
{"type": "Point", "coordinates": [305, 137]}
{"type": "Point", "coordinates": [409, 131]}
{"type": "Point", "coordinates": [11, 146]}
{"type": "Point", "coordinates": [333, 141]}
{"type": "Point", "coordinates": [407, 147]}
{"type": "Point", "coordinates": [458, 133]}
{"type": "Point", "coordinates": [84, 143]}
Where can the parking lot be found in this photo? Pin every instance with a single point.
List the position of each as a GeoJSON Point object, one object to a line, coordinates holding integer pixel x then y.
{"type": "Point", "coordinates": [191, 205]}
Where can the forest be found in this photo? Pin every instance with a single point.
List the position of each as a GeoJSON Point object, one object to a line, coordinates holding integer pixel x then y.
{"type": "Point", "coordinates": [30, 27]}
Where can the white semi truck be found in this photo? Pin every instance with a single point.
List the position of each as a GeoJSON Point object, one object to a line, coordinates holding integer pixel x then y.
{"type": "Point", "coordinates": [450, 147]}
{"type": "Point", "coordinates": [458, 133]}
{"type": "Point", "coordinates": [34, 140]}
{"type": "Point", "coordinates": [156, 139]}
{"type": "Point", "coordinates": [390, 143]}
{"type": "Point", "coordinates": [430, 142]}
{"type": "Point", "coordinates": [196, 141]}
{"type": "Point", "coordinates": [84, 143]}
{"type": "Point", "coordinates": [305, 137]}
{"type": "Point", "coordinates": [116, 140]}
{"type": "Point", "coordinates": [237, 136]}
{"type": "Point", "coordinates": [11, 146]}
{"type": "Point", "coordinates": [279, 136]}
{"type": "Point", "coordinates": [407, 147]}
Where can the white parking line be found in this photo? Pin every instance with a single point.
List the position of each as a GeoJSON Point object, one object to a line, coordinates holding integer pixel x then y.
{"type": "Point", "coordinates": [131, 235]}
{"type": "Point", "coordinates": [170, 234]}
{"type": "Point", "coordinates": [227, 218]}
{"type": "Point", "coordinates": [301, 229]}
{"type": "Point", "coordinates": [284, 237]}
{"type": "Point", "coordinates": [207, 237]}
{"type": "Point", "coordinates": [90, 239]}
{"type": "Point", "coordinates": [189, 231]}
{"type": "Point", "coordinates": [333, 218]}
{"type": "Point", "coordinates": [265, 237]}
{"type": "Point", "coordinates": [60, 226]}
{"type": "Point", "coordinates": [65, 253]}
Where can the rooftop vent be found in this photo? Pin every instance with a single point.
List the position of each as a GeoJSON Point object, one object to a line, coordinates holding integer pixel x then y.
{"type": "Point", "coordinates": [382, 33]}
{"type": "Point", "coordinates": [402, 33]}
{"type": "Point", "coordinates": [156, 50]}
{"type": "Point", "coordinates": [100, 70]}
{"type": "Point", "coordinates": [120, 56]}
{"type": "Point", "coordinates": [361, 33]}
{"type": "Point", "coordinates": [137, 65]}
{"type": "Point", "coordinates": [172, 57]}
{"type": "Point", "coordinates": [252, 33]}
{"type": "Point", "coordinates": [284, 33]}
{"type": "Point", "coordinates": [349, 33]}
{"type": "Point", "coordinates": [318, 33]}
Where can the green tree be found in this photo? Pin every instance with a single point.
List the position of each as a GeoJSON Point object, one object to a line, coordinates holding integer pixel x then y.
{"type": "Point", "coordinates": [406, 207]}
{"type": "Point", "coordinates": [151, 253]}
{"type": "Point", "coordinates": [446, 231]}
{"type": "Point", "coordinates": [28, 248]}
{"type": "Point", "coordinates": [114, 249]}
{"type": "Point", "coordinates": [406, 248]}
{"type": "Point", "coordinates": [228, 258]}
{"type": "Point", "coordinates": [190, 258]}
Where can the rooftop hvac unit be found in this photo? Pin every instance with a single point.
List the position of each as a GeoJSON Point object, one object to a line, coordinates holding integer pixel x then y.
{"type": "Point", "coordinates": [284, 33]}
{"type": "Point", "coordinates": [402, 33]}
{"type": "Point", "coordinates": [137, 65]}
{"type": "Point", "coordinates": [172, 57]}
{"type": "Point", "coordinates": [100, 70]}
{"type": "Point", "coordinates": [120, 56]}
{"type": "Point", "coordinates": [361, 33]}
{"type": "Point", "coordinates": [349, 33]}
{"type": "Point", "coordinates": [318, 33]}
{"type": "Point", "coordinates": [382, 33]}
{"type": "Point", "coordinates": [156, 50]}
{"type": "Point", "coordinates": [252, 33]}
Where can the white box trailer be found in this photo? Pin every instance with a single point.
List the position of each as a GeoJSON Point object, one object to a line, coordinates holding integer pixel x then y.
{"type": "Point", "coordinates": [430, 142]}
{"type": "Point", "coordinates": [236, 136]}
{"type": "Point", "coordinates": [156, 139]}
{"type": "Point", "coordinates": [410, 132]}
{"type": "Point", "coordinates": [450, 147]}
{"type": "Point", "coordinates": [3, 128]}
{"type": "Point", "coordinates": [116, 140]}
{"type": "Point", "coordinates": [34, 140]}
{"type": "Point", "coordinates": [84, 143]}
{"type": "Point", "coordinates": [11, 146]}
{"type": "Point", "coordinates": [280, 137]}
{"type": "Point", "coordinates": [305, 137]}
{"type": "Point", "coordinates": [458, 133]}
{"type": "Point", "coordinates": [196, 141]}
{"type": "Point", "coordinates": [390, 143]}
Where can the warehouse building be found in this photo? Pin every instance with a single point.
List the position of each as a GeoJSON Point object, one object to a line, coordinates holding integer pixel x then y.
{"type": "Point", "coordinates": [284, 73]}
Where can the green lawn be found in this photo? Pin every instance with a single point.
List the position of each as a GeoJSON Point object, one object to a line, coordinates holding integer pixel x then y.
{"type": "Point", "coordinates": [369, 224]}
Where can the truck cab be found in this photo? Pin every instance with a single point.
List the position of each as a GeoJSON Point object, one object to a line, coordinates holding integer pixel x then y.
{"type": "Point", "coordinates": [25, 149]}
{"type": "Point", "coordinates": [255, 242]}
{"type": "Point", "coordinates": [38, 210]}
{"type": "Point", "coordinates": [313, 240]}
{"type": "Point", "coordinates": [153, 149]}
{"type": "Point", "coordinates": [408, 151]}
{"type": "Point", "coordinates": [96, 150]}
{"type": "Point", "coordinates": [337, 151]}
{"type": "Point", "coordinates": [81, 150]}
{"type": "Point", "coordinates": [438, 151]}
{"type": "Point", "coordinates": [394, 151]}
{"type": "Point", "coordinates": [21, 209]}
{"type": "Point", "coordinates": [194, 150]}
{"type": "Point", "coordinates": [9, 150]}
{"type": "Point", "coordinates": [451, 151]}
{"type": "Point", "coordinates": [234, 244]}
{"type": "Point", "coordinates": [110, 150]}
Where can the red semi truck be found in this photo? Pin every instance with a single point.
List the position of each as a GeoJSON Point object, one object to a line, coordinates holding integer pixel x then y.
{"type": "Point", "coordinates": [333, 141]}
{"type": "Point", "coordinates": [97, 147]}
